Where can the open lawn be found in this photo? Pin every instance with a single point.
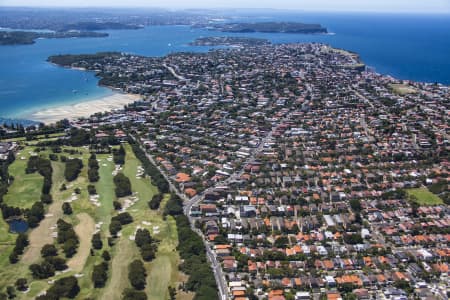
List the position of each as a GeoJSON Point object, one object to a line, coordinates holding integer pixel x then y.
{"type": "Point", "coordinates": [423, 196]}
{"type": "Point", "coordinates": [402, 89]}
{"type": "Point", "coordinates": [26, 188]}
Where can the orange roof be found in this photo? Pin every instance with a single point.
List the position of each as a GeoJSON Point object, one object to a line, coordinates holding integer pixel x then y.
{"type": "Point", "coordinates": [190, 192]}
{"type": "Point", "coordinates": [333, 296]}
{"type": "Point", "coordinates": [182, 177]}
{"type": "Point", "coordinates": [223, 246]}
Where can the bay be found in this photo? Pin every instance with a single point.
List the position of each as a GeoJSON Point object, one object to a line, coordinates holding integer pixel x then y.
{"type": "Point", "coordinates": [414, 47]}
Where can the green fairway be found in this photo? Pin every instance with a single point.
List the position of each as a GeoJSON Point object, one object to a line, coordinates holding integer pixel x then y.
{"type": "Point", "coordinates": [423, 196]}
{"type": "Point", "coordinates": [26, 188]}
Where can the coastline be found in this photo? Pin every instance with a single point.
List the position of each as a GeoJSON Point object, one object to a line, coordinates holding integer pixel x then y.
{"type": "Point", "coordinates": [83, 109]}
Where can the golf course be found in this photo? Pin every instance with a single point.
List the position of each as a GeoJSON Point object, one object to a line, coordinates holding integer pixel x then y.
{"type": "Point", "coordinates": [87, 209]}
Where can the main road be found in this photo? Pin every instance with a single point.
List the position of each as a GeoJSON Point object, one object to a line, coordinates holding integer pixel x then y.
{"type": "Point", "coordinates": [188, 203]}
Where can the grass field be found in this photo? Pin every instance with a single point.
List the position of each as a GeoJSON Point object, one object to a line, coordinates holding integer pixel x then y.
{"type": "Point", "coordinates": [423, 196]}
{"type": "Point", "coordinates": [402, 89]}
{"type": "Point", "coordinates": [26, 188]}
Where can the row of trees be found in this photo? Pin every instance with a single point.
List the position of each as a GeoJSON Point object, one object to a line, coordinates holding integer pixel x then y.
{"type": "Point", "coordinates": [192, 251]}
{"type": "Point", "coordinates": [151, 170]}
{"type": "Point", "coordinates": [73, 169]}
{"type": "Point", "coordinates": [93, 174]}
{"type": "Point", "coordinates": [21, 243]}
{"type": "Point", "coordinates": [66, 287]}
{"type": "Point", "coordinates": [44, 167]}
{"type": "Point", "coordinates": [119, 155]}
{"type": "Point", "coordinates": [146, 244]}
{"type": "Point", "coordinates": [156, 201]}
{"type": "Point", "coordinates": [118, 221]}
{"type": "Point", "coordinates": [137, 276]}
{"type": "Point", "coordinates": [67, 237]}
{"type": "Point", "coordinates": [123, 185]}
{"type": "Point", "coordinates": [51, 263]}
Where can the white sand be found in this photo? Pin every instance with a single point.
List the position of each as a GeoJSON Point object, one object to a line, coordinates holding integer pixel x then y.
{"type": "Point", "coordinates": [83, 109]}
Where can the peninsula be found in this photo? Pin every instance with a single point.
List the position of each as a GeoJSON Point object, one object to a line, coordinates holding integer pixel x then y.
{"type": "Point", "coordinates": [269, 27]}
{"type": "Point", "coordinates": [229, 41]}
{"type": "Point", "coordinates": [29, 37]}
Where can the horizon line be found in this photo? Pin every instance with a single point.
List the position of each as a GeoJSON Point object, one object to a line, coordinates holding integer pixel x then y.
{"type": "Point", "coordinates": [417, 12]}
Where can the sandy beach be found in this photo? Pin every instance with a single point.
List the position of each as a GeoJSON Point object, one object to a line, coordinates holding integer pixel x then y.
{"type": "Point", "coordinates": [83, 109]}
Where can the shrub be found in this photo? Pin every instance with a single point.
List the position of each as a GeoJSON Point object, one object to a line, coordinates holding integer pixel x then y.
{"type": "Point", "coordinates": [67, 208]}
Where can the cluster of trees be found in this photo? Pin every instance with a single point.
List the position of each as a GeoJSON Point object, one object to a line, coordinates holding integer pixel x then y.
{"type": "Point", "coordinates": [66, 287]}
{"type": "Point", "coordinates": [51, 263]}
{"type": "Point", "coordinates": [93, 174]}
{"type": "Point", "coordinates": [100, 274]}
{"type": "Point", "coordinates": [36, 214]}
{"type": "Point", "coordinates": [119, 155]}
{"type": "Point", "coordinates": [137, 276]}
{"type": "Point", "coordinates": [100, 271]}
{"type": "Point", "coordinates": [156, 201]}
{"type": "Point", "coordinates": [123, 185]}
{"type": "Point", "coordinates": [4, 183]}
{"type": "Point", "coordinates": [174, 206]}
{"type": "Point", "coordinates": [146, 244]}
{"type": "Point", "coordinates": [44, 167]}
{"type": "Point", "coordinates": [21, 243]}
{"type": "Point", "coordinates": [73, 169]}
{"type": "Point", "coordinates": [67, 237]}
{"type": "Point", "coordinates": [151, 170]}
{"type": "Point", "coordinates": [118, 221]}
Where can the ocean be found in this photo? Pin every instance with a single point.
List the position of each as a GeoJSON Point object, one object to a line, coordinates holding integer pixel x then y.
{"type": "Point", "coordinates": [409, 46]}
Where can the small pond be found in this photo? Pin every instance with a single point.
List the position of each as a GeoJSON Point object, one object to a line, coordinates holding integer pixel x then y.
{"type": "Point", "coordinates": [18, 226]}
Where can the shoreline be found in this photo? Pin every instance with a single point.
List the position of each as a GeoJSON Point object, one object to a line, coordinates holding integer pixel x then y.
{"type": "Point", "coordinates": [83, 109]}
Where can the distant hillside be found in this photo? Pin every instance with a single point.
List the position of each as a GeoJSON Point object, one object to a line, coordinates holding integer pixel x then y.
{"type": "Point", "coordinates": [29, 37]}
{"type": "Point", "coordinates": [269, 27]}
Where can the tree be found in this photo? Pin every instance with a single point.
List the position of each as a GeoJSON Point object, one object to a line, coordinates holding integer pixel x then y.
{"type": "Point", "coordinates": [137, 274]}
{"type": "Point", "coordinates": [356, 205]}
{"type": "Point", "coordinates": [57, 262]}
{"type": "Point", "coordinates": [67, 208]}
{"type": "Point", "coordinates": [114, 227]}
{"type": "Point", "coordinates": [49, 250]}
{"type": "Point", "coordinates": [70, 247]}
{"type": "Point", "coordinates": [21, 284]}
{"type": "Point", "coordinates": [148, 252]}
{"type": "Point", "coordinates": [106, 256]}
{"type": "Point", "coordinates": [143, 237]}
{"type": "Point", "coordinates": [97, 243]}
{"type": "Point", "coordinates": [131, 294]}
{"type": "Point", "coordinates": [100, 275]}
{"type": "Point", "coordinates": [73, 169]}
{"type": "Point", "coordinates": [91, 189]}
{"type": "Point", "coordinates": [64, 287]}
{"type": "Point", "coordinates": [42, 271]}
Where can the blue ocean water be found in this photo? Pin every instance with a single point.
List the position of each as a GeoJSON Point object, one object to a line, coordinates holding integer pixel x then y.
{"type": "Point", "coordinates": [415, 47]}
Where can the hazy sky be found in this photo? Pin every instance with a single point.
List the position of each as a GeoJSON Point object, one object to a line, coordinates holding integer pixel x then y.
{"type": "Point", "coordinates": [425, 6]}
